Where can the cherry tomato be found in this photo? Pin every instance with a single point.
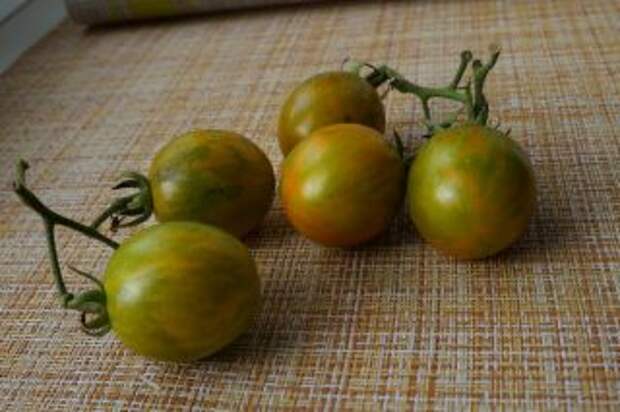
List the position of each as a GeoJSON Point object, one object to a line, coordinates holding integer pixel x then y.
{"type": "Point", "coordinates": [342, 185]}
{"type": "Point", "coordinates": [326, 99]}
{"type": "Point", "coordinates": [471, 191]}
{"type": "Point", "coordinates": [214, 177]}
{"type": "Point", "coordinates": [181, 291]}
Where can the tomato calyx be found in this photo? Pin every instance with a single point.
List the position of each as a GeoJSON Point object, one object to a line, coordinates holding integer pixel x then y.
{"type": "Point", "coordinates": [376, 78]}
{"type": "Point", "coordinates": [91, 303]}
{"type": "Point", "coordinates": [94, 316]}
{"type": "Point", "coordinates": [138, 205]}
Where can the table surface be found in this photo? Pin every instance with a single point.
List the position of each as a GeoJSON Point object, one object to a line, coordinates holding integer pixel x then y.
{"type": "Point", "coordinates": [390, 325]}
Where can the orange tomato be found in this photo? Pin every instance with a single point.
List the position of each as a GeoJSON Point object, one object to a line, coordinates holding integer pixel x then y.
{"type": "Point", "coordinates": [343, 185]}
{"type": "Point", "coordinates": [326, 99]}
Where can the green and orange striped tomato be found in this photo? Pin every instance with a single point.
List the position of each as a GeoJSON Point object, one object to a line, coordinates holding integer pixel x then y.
{"type": "Point", "coordinates": [215, 177]}
{"type": "Point", "coordinates": [471, 191]}
{"type": "Point", "coordinates": [342, 185]}
{"type": "Point", "coordinates": [180, 291]}
{"type": "Point", "coordinates": [326, 99]}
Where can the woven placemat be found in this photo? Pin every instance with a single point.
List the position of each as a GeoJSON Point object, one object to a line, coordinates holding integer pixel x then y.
{"type": "Point", "coordinates": [392, 325]}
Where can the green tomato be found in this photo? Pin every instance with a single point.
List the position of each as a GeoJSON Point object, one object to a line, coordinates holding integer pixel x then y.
{"type": "Point", "coordinates": [471, 191]}
{"type": "Point", "coordinates": [215, 177]}
{"type": "Point", "coordinates": [343, 185]}
{"type": "Point", "coordinates": [327, 99]}
{"type": "Point", "coordinates": [181, 291]}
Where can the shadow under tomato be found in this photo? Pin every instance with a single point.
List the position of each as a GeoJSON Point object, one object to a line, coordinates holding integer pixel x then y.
{"type": "Point", "coordinates": [545, 234]}
{"type": "Point", "coordinates": [274, 229]}
{"type": "Point", "coordinates": [274, 332]}
{"type": "Point", "coordinates": [307, 297]}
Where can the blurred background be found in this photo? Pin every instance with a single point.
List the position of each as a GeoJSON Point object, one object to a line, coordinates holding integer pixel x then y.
{"type": "Point", "coordinates": [23, 22]}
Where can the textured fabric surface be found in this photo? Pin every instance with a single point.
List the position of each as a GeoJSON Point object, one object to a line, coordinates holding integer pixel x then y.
{"type": "Point", "coordinates": [391, 325]}
{"type": "Point", "coordinates": [105, 11]}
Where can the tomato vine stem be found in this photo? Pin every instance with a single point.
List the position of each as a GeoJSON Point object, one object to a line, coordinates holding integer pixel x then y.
{"type": "Point", "coordinates": [481, 105]}
{"type": "Point", "coordinates": [466, 57]}
{"type": "Point", "coordinates": [400, 147]}
{"type": "Point", "coordinates": [91, 302]}
{"type": "Point", "coordinates": [471, 95]}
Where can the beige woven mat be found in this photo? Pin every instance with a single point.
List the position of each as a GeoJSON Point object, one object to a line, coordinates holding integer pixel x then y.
{"type": "Point", "coordinates": [393, 325]}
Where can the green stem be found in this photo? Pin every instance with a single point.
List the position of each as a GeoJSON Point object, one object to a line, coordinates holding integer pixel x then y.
{"type": "Point", "coordinates": [471, 96]}
{"type": "Point", "coordinates": [481, 105]}
{"type": "Point", "coordinates": [466, 57]}
{"type": "Point", "coordinates": [92, 301]}
{"type": "Point", "coordinates": [53, 255]}
{"type": "Point", "coordinates": [400, 147]}
{"type": "Point", "coordinates": [469, 107]}
{"type": "Point", "coordinates": [49, 216]}
{"type": "Point", "coordinates": [425, 94]}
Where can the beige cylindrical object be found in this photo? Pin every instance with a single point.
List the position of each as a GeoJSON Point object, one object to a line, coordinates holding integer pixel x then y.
{"type": "Point", "coordinates": [107, 11]}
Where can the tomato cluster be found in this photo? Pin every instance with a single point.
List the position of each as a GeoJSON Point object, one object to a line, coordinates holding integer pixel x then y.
{"type": "Point", "coordinates": [470, 189]}
{"type": "Point", "coordinates": [186, 287]}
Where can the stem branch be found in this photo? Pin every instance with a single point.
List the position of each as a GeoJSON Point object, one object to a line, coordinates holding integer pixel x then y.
{"type": "Point", "coordinates": [92, 301]}
{"type": "Point", "coordinates": [481, 105]}
{"type": "Point", "coordinates": [466, 57]}
{"type": "Point", "coordinates": [50, 217]}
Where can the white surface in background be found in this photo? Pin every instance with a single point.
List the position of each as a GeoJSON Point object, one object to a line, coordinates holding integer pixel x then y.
{"type": "Point", "coordinates": [23, 23]}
